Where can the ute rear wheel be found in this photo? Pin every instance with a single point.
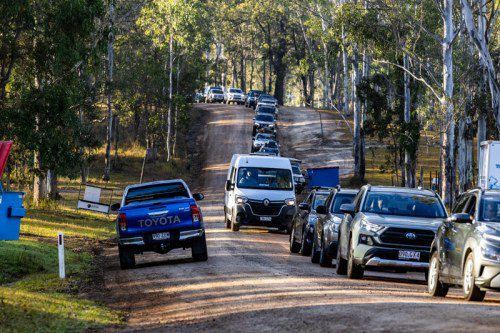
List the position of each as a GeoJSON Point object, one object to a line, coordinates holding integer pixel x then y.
{"type": "Point", "coordinates": [199, 249]}
{"type": "Point", "coordinates": [435, 287]}
{"type": "Point", "coordinates": [127, 258]}
{"type": "Point", "coordinates": [471, 291]}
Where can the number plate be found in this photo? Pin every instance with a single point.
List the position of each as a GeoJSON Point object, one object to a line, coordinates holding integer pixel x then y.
{"type": "Point", "coordinates": [266, 218]}
{"type": "Point", "coordinates": [409, 255]}
{"type": "Point", "coordinates": [161, 236]}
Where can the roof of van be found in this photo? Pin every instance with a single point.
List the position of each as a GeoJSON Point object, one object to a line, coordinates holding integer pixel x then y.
{"type": "Point", "coordinates": [261, 161]}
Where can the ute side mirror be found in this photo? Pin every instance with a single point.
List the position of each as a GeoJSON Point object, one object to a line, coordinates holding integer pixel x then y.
{"type": "Point", "coordinates": [229, 185]}
{"type": "Point", "coordinates": [460, 218]}
{"type": "Point", "coordinates": [321, 209]}
{"type": "Point", "coordinates": [115, 207]}
{"type": "Point", "coordinates": [304, 206]}
{"type": "Point", "coordinates": [198, 196]}
{"type": "Point", "coordinates": [347, 209]}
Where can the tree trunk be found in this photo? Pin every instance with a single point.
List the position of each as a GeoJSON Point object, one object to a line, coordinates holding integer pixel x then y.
{"type": "Point", "coordinates": [109, 129]}
{"type": "Point", "coordinates": [357, 141]}
{"type": "Point", "coordinates": [448, 175]}
{"type": "Point", "coordinates": [345, 66]}
{"type": "Point", "coordinates": [170, 92]}
{"type": "Point", "coordinates": [51, 183]}
{"type": "Point", "coordinates": [39, 179]}
{"type": "Point", "coordinates": [410, 165]}
{"type": "Point", "coordinates": [264, 74]}
{"type": "Point", "coordinates": [312, 88]}
{"type": "Point", "coordinates": [116, 139]}
{"type": "Point", "coordinates": [243, 83]}
{"type": "Point", "coordinates": [305, 97]}
{"type": "Point", "coordinates": [279, 84]}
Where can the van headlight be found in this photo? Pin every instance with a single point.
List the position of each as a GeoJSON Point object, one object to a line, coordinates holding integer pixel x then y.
{"type": "Point", "coordinates": [290, 202]}
{"type": "Point", "coordinates": [369, 226]}
{"type": "Point", "coordinates": [241, 200]}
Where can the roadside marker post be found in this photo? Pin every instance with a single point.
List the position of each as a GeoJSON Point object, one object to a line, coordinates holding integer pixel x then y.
{"type": "Point", "coordinates": [60, 249]}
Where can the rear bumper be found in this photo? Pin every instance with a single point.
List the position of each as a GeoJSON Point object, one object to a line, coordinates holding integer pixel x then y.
{"type": "Point", "coordinates": [145, 242]}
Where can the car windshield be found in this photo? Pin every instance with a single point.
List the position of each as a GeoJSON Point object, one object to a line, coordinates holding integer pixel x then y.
{"type": "Point", "coordinates": [296, 170]}
{"type": "Point", "coordinates": [272, 144]}
{"type": "Point", "coordinates": [269, 150]}
{"type": "Point", "coordinates": [489, 210]}
{"type": "Point", "coordinates": [319, 199]}
{"type": "Point", "coordinates": [263, 136]}
{"type": "Point", "coordinates": [263, 96]}
{"type": "Point", "coordinates": [264, 117]}
{"type": "Point", "coordinates": [265, 178]}
{"type": "Point", "coordinates": [238, 91]}
{"type": "Point", "coordinates": [154, 192]}
{"type": "Point", "coordinates": [216, 91]}
{"type": "Point", "coordinates": [404, 204]}
{"type": "Point", "coordinates": [266, 110]}
{"type": "Point", "coordinates": [339, 200]}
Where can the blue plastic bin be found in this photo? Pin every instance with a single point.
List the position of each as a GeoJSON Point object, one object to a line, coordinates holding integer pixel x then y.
{"type": "Point", "coordinates": [323, 177]}
{"type": "Point", "coordinates": [11, 212]}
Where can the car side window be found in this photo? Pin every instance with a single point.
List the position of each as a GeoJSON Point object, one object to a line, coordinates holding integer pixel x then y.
{"type": "Point", "coordinates": [470, 208]}
{"type": "Point", "coordinates": [460, 205]}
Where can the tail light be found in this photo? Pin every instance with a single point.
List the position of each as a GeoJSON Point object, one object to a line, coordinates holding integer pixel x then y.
{"type": "Point", "coordinates": [195, 212]}
{"type": "Point", "coordinates": [122, 222]}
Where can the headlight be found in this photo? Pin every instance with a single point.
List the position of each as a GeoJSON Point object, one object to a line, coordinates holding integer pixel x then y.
{"type": "Point", "coordinates": [241, 200]}
{"type": "Point", "coordinates": [490, 253]}
{"type": "Point", "coordinates": [290, 202]}
{"type": "Point", "coordinates": [371, 226]}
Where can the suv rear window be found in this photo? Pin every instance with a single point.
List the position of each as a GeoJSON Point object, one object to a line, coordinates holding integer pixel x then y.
{"type": "Point", "coordinates": [159, 191]}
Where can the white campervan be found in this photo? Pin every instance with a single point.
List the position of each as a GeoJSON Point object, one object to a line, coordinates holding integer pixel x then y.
{"type": "Point", "coordinates": [259, 192]}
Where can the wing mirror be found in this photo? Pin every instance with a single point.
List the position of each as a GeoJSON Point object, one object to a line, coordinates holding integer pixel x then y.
{"type": "Point", "coordinates": [321, 209]}
{"type": "Point", "coordinates": [115, 207]}
{"type": "Point", "coordinates": [229, 185]}
{"type": "Point", "coordinates": [198, 196]}
{"type": "Point", "coordinates": [460, 218]}
{"type": "Point", "coordinates": [304, 206]}
{"type": "Point", "coordinates": [347, 209]}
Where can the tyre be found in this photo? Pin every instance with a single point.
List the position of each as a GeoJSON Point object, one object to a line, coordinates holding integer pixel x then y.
{"type": "Point", "coordinates": [324, 257]}
{"type": "Point", "coordinates": [199, 249]}
{"type": "Point", "coordinates": [315, 254]}
{"type": "Point", "coordinates": [435, 287]}
{"type": "Point", "coordinates": [127, 258]}
{"type": "Point", "coordinates": [294, 246]}
{"type": "Point", "coordinates": [341, 265]}
{"type": "Point", "coordinates": [227, 221]}
{"type": "Point", "coordinates": [471, 291]}
{"type": "Point", "coordinates": [234, 225]}
{"type": "Point", "coordinates": [353, 270]}
{"type": "Point", "coordinates": [305, 249]}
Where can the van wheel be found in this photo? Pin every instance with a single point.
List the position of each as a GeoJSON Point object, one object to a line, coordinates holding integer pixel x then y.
{"type": "Point", "coordinates": [127, 258]}
{"type": "Point", "coordinates": [435, 287]}
{"type": "Point", "coordinates": [324, 258]}
{"type": "Point", "coordinates": [234, 226]}
{"type": "Point", "coordinates": [199, 249]}
{"type": "Point", "coordinates": [353, 271]}
{"type": "Point", "coordinates": [471, 291]}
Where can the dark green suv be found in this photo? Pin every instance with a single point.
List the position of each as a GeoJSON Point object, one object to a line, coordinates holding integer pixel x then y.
{"type": "Point", "coordinates": [466, 250]}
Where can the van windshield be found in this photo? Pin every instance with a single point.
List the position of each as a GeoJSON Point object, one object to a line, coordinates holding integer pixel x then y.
{"type": "Point", "coordinates": [265, 178]}
{"type": "Point", "coordinates": [157, 191]}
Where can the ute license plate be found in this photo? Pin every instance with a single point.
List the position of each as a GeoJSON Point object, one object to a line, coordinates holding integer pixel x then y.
{"type": "Point", "coordinates": [409, 255]}
{"type": "Point", "coordinates": [161, 236]}
{"type": "Point", "coordinates": [266, 218]}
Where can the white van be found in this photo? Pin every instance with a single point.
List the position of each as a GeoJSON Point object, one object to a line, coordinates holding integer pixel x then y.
{"type": "Point", "coordinates": [259, 192]}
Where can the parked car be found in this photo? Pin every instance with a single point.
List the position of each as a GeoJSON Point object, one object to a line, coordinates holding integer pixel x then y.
{"type": "Point", "coordinates": [266, 99]}
{"type": "Point", "coordinates": [261, 139]}
{"type": "Point", "coordinates": [269, 151]}
{"type": "Point", "coordinates": [234, 95]}
{"type": "Point", "coordinates": [388, 228]}
{"type": "Point", "coordinates": [301, 236]}
{"type": "Point", "coordinates": [264, 123]}
{"type": "Point", "coordinates": [298, 179]}
{"type": "Point", "coordinates": [266, 109]}
{"type": "Point", "coordinates": [252, 96]}
{"type": "Point", "coordinates": [159, 216]}
{"type": "Point", "coordinates": [325, 236]}
{"type": "Point", "coordinates": [466, 250]}
{"type": "Point", "coordinates": [259, 192]}
{"type": "Point", "coordinates": [215, 95]}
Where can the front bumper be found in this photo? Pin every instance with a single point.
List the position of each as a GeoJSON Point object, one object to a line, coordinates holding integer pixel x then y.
{"type": "Point", "coordinates": [145, 242]}
{"type": "Point", "coordinates": [282, 220]}
{"type": "Point", "coordinates": [489, 277]}
{"type": "Point", "coordinates": [383, 257]}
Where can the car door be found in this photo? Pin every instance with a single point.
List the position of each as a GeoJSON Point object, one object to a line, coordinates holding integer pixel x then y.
{"type": "Point", "coordinates": [318, 228]}
{"type": "Point", "coordinates": [326, 221]}
{"type": "Point", "coordinates": [460, 232]}
{"type": "Point", "coordinates": [301, 218]}
{"type": "Point", "coordinates": [231, 201]}
{"type": "Point", "coordinates": [345, 226]}
{"type": "Point", "coordinates": [446, 235]}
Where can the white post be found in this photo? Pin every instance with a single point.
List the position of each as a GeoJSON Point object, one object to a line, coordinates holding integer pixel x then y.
{"type": "Point", "coordinates": [60, 249]}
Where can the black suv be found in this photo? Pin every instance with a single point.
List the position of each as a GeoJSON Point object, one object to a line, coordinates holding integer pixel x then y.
{"type": "Point", "coordinates": [390, 228]}
{"type": "Point", "coordinates": [466, 250]}
{"type": "Point", "coordinates": [325, 238]}
{"type": "Point", "coordinates": [252, 96]}
{"type": "Point", "coordinates": [304, 221]}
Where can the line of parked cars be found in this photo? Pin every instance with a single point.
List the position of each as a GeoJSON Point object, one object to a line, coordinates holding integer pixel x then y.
{"type": "Point", "coordinates": [400, 230]}
{"type": "Point", "coordinates": [221, 95]}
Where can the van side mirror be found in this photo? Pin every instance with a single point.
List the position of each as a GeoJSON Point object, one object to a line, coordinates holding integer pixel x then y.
{"type": "Point", "coordinates": [198, 196]}
{"type": "Point", "coordinates": [115, 207]}
{"type": "Point", "coordinates": [304, 206]}
{"type": "Point", "coordinates": [321, 209]}
{"type": "Point", "coordinates": [460, 218]}
{"type": "Point", "coordinates": [229, 185]}
{"type": "Point", "coordinates": [347, 209]}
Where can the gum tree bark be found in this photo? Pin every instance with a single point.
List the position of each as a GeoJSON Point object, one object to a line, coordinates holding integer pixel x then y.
{"type": "Point", "coordinates": [410, 165]}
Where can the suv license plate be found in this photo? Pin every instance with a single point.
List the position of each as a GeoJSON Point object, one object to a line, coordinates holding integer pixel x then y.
{"type": "Point", "coordinates": [161, 236]}
{"type": "Point", "coordinates": [266, 218]}
{"type": "Point", "coordinates": [409, 255]}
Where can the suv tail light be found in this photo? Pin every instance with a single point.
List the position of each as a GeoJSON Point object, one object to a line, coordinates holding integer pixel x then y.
{"type": "Point", "coordinates": [122, 222]}
{"type": "Point", "coordinates": [195, 212]}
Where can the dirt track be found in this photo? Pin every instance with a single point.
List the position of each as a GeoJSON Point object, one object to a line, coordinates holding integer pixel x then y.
{"type": "Point", "coordinates": [251, 283]}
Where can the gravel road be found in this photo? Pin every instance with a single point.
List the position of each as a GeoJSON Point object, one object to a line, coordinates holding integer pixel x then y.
{"type": "Point", "coordinates": [251, 283]}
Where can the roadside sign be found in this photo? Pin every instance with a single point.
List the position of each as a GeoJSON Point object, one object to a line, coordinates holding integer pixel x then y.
{"type": "Point", "coordinates": [93, 199]}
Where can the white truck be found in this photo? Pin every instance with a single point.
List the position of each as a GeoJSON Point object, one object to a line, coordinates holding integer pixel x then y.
{"type": "Point", "coordinates": [489, 165]}
{"type": "Point", "coordinates": [259, 192]}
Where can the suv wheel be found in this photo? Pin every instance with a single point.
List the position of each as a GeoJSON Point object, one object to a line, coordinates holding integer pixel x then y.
{"type": "Point", "coordinates": [315, 254]}
{"type": "Point", "coordinates": [234, 226]}
{"type": "Point", "coordinates": [305, 249]}
{"type": "Point", "coordinates": [471, 291]}
{"type": "Point", "coordinates": [127, 258]}
{"type": "Point", "coordinates": [324, 258]}
{"type": "Point", "coordinates": [294, 246]}
{"type": "Point", "coordinates": [199, 249]}
{"type": "Point", "coordinates": [341, 265]}
{"type": "Point", "coordinates": [353, 270]}
{"type": "Point", "coordinates": [435, 287]}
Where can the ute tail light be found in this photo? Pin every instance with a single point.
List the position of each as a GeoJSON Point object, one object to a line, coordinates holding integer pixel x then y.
{"type": "Point", "coordinates": [195, 213]}
{"type": "Point", "coordinates": [122, 222]}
